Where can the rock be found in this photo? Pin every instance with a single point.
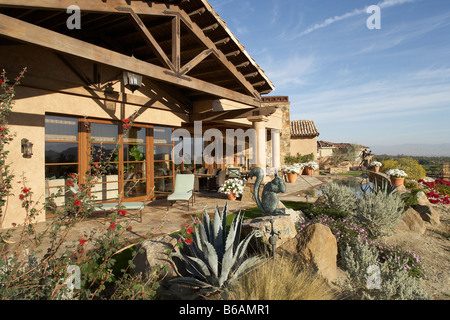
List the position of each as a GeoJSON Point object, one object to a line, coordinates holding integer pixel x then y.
{"type": "Point", "coordinates": [428, 214]}
{"type": "Point", "coordinates": [422, 199]}
{"type": "Point", "coordinates": [285, 225]}
{"type": "Point", "coordinates": [315, 247]}
{"type": "Point", "coordinates": [296, 215]}
{"type": "Point", "coordinates": [155, 254]}
{"type": "Point", "coordinates": [412, 221]}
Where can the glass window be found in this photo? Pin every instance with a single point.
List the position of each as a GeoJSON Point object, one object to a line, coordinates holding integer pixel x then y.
{"type": "Point", "coordinates": [162, 135]}
{"type": "Point", "coordinates": [61, 128]}
{"type": "Point", "coordinates": [101, 132]}
{"type": "Point", "coordinates": [163, 185]}
{"type": "Point", "coordinates": [135, 135]}
{"type": "Point", "coordinates": [163, 169]}
{"type": "Point", "coordinates": [162, 152]}
{"type": "Point", "coordinates": [134, 152]}
{"type": "Point", "coordinates": [102, 152]}
{"type": "Point", "coordinates": [60, 152]}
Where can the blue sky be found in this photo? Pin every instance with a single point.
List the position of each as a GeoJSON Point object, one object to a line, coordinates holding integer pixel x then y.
{"type": "Point", "coordinates": [373, 87]}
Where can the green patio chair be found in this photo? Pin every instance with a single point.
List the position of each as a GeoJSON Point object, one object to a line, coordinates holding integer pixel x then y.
{"type": "Point", "coordinates": [184, 189]}
{"type": "Point", "coordinates": [234, 172]}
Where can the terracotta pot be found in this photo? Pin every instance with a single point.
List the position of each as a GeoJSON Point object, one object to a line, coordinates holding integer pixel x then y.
{"type": "Point", "coordinates": [308, 171]}
{"type": "Point", "coordinates": [376, 169]}
{"type": "Point", "coordinates": [300, 172]}
{"type": "Point", "coordinates": [291, 177]}
{"type": "Point", "coordinates": [231, 196]}
{"type": "Point", "coordinates": [397, 181]}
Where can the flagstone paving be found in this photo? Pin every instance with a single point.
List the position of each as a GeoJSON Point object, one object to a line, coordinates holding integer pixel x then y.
{"type": "Point", "coordinates": [157, 220]}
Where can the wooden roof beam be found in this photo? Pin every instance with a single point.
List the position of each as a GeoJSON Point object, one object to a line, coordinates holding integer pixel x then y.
{"type": "Point", "coordinates": [29, 33]}
{"type": "Point", "coordinates": [149, 39]}
{"type": "Point", "coordinates": [212, 27]}
{"type": "Point", "coordinates": [198, 11]}
{"type": "Point", "coordinates": [233, 53]}
{"type": "Point", "coordinates": [222, 41]}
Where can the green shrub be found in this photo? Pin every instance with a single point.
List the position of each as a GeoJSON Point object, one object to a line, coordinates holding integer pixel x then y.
{"type": "Point", "coordinates": [341, 198]}
{"type": "Point", "coordinates": [374, 280]}
{"type": "Point", "coordinates": [378, 213]}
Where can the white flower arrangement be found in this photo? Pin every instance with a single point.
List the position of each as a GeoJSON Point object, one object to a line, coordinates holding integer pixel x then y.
{"type": "Point", "coordinates": [235, 186]}
{"type": "Point", "coordinates": [396, 173]}
{"type": "Point", "coordinates": [376, 164]}
{"type": "Point", "coordinates": [313, 165]}
{"type": "Point", "coordinates": [291, 169]}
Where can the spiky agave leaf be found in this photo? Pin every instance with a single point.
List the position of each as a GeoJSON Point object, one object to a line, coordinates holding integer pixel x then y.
{"type": "Point", "coordinates": [197, 268]}
{"type": "Point", "coordinates": [244, 267]}
{"type": "Point", "coordinates": [217, 240]}
{"type": "Point", "coordinates": [216, 260]}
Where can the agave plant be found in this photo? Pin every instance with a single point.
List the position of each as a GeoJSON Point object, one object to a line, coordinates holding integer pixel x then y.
{"type": "Point", "coordinates": [385, 187]}
{"type": "Point", "coordinates": [217, 257]}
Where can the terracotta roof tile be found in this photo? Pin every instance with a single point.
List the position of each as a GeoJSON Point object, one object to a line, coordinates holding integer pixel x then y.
{"type": "Point", "coordinates": [304, 128]}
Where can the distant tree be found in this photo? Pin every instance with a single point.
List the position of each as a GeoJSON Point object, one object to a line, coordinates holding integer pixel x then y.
{"type": "Point", "coordinates": [349, 153]}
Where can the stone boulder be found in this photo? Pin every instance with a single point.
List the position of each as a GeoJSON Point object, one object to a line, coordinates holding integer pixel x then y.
{"type": "Point", "coordinates": [412, 221]}
{"type": "Point", "coordinates": [155, 253]}
{"type": "Point", "coordinates": [422, 199]}
{"type": "Point", "coordinates": [283, 224]}
{"type": "Point", "coordinates": [429, 214]}
{"type": "Point", "coordinates": [316, 248]}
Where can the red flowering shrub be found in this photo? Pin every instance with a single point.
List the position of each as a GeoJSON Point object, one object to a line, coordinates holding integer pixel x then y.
{"type": "Point", "coordinates": [439, 191]}
{"type": "Point", "coordinates": [31, 269]}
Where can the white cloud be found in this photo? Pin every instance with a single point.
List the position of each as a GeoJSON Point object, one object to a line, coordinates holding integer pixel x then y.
{"type": "Point", "coordinates": [292, 71]}
{"type": "Point", "coordinates": [422, 93]}
{"type": "Point", "coordinates": [355, 12]}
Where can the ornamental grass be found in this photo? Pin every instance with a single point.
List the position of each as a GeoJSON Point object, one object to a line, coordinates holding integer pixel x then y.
{"type": "Point", "coordinates": [280, 279]}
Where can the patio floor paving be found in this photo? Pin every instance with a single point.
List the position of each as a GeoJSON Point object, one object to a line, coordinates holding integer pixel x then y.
{"type": "Point", "coordinates": [157, 220]}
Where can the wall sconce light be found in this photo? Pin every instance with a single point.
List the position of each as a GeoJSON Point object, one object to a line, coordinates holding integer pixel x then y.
{"type": "Point", "coordinates": [27, 148]}
{"type": "Point", "coordinates": [132, 80]}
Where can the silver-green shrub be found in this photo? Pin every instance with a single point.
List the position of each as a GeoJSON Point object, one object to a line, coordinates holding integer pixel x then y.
{"type": "Point", "coordinates": [378, 213]}
{"type": "Point", "coordinates": [339, 197]}
{"type": "Point", "coordinates": [369, 279]}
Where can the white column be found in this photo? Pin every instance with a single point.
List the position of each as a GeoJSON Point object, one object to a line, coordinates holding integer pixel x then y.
{"type": "Point", "coordinates": [276, 149]}
{"type": "Point", "coordinates": [259, 125]}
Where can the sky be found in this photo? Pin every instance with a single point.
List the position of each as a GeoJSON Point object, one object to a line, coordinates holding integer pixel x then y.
{"type": "Point", "coordinates": [383, 86]}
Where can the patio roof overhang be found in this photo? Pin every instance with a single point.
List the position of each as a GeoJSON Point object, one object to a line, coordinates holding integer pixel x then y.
{"type": "Point", "coordinates": [181, 43]}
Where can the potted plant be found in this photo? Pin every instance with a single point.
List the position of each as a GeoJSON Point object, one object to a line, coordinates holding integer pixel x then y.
{"type": "Point", "coordinates": [233, 188]}
{"type": "Point", "coordinates": [300, 168]}
{"type": "Point", "coordinates": [375, 165]}
{"type": "Point", "coordinates": [309, 168]}
{"type": "Point", "coordinates": [291, 172]}
{"type": "Point", "coordinates": [397, 177]}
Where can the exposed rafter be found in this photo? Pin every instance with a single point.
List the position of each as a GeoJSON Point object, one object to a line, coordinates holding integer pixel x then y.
{"type": "Point", "coordinates": [23, 31]}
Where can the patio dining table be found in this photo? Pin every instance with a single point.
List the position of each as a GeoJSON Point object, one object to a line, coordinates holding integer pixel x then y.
{"type": "Point", "coordinates": [206, 176]}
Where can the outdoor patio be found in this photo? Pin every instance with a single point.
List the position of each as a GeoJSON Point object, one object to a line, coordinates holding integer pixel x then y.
{"type": "Point", "coordinates": [156, 220]}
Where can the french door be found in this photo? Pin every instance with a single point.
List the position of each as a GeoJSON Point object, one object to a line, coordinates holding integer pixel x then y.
{"type": "Point", "coordinates": [138, 161]}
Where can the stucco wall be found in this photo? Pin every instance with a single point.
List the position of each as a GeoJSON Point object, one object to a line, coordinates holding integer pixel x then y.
{"type": "Point", "coordinates": [304, 146]}
{"type": "Point", "coordinates": [50, 86]}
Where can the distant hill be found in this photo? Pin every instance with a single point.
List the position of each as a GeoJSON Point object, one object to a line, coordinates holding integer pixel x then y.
{"type": "Point", "coordinates": [427, 150]}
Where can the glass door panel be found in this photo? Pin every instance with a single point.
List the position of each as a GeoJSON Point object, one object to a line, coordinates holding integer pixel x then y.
{"type": "Point", "coordinates": [105, 150]}
{"type": "Point", "coordinates": [135, 163]}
